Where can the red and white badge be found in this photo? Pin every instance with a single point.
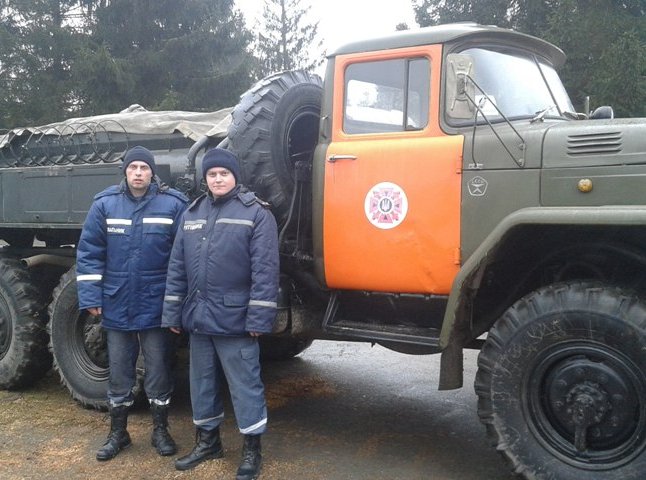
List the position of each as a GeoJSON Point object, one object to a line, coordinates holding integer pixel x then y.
{"type": "Point", "coordinates": [386, 205]}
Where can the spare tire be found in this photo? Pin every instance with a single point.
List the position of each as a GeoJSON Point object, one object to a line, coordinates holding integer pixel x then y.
{"type": "Point", "coordinates": [274, 125]}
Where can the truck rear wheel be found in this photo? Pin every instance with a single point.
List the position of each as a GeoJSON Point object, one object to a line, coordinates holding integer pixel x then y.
{"type": "Point", "coordinates": [24, 357]}
{"type": "Point", "coordinates": [79, 346]}
{"type": "Point", "coordinates": [562, 383]}
{"type": "Point", "coordinates": [274, 125]}
{"type": "Point", "coordinates": [78, 343]}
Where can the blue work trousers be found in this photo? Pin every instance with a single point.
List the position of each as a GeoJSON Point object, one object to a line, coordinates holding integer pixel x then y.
{"type": "Point", "coordinates": [157, 347]}
{"type": "Point", "coordinates": [239, 359]}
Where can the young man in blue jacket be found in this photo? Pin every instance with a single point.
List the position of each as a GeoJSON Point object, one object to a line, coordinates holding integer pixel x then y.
{"type": "Point", "coordinates": [222, 288]}
{"type": "Point", "coordinates": [122, 259]}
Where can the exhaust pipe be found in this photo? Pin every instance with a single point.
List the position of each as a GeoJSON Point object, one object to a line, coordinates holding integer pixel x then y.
{"type": "Point", "coordinates": [49, 259]}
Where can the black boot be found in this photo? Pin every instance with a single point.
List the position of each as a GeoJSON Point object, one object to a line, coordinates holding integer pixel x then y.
{"type": "Point", "coordinates": [161, 439]}
{"type": "Point", "coordinates": [207, 446]}
{"type": "Point", "coordinates": [251, 458]}
{"type": "Point", "coordinates": [118, 438]}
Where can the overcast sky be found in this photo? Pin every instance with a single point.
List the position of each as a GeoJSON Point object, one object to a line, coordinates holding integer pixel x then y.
{"type": "Point", "coordinates": [341, 21]}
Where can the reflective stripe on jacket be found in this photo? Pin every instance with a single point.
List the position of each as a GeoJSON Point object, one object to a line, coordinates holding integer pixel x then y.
{"type": "Point", "coordinates": [223, 271]}
{"type": "Point", "coordinates": [123, 252]}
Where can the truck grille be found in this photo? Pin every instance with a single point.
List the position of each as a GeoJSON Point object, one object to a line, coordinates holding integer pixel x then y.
{"type": "Point", "coordinates": [594, 143]}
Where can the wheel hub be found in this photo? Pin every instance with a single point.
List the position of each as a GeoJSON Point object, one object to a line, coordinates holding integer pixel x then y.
{"type": "Point", "coordinates": [591, 403]}
{"type": "Point", "coordinates": [587, 404]}
{"type": "Point", "coordinates": [94, 341]}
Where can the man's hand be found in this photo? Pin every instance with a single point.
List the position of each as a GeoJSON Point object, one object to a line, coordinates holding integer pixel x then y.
{"type": "Point", "coordinates": [96, 311]}
{"type": "Point", "coordinates": [255, 334]}
{"type": "Point", "coordinates": [175, 330]}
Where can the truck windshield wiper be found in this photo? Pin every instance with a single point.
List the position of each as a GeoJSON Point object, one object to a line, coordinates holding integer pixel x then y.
{"type": "Point", "coordinates": [540, 115]}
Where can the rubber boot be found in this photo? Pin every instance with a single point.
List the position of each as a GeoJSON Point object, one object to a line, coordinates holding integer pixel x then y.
{"type": "Point", "coordinates": [161, 439]}
{"type": "Point", "coordinates": [207, 446]}
{"type": "Point", "coordinates": [118, 438]}
{"type": "Point", "coordinates": [251, 458]}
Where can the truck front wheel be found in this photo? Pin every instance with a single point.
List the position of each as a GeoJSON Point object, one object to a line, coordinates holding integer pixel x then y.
{"type": "Point", "coordinates": [562, 383]}
{"type": "Point", "coordinates": [24, 357]}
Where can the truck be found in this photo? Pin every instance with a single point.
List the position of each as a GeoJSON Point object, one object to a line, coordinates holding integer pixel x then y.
{"type": "Point", "coordinates": [436, 191]}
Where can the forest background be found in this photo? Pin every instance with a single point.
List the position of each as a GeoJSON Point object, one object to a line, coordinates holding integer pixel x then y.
{"type": "Point", "coordinates": [72, 58]}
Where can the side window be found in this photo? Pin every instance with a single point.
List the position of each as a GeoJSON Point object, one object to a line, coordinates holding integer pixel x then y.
{"type": "Point", "coordinates": [386, 96]}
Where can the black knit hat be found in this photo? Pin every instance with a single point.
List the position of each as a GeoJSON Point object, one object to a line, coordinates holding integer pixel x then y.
{"type": "Point", "coordinates": [138, 154]}
{"type": "Point", "coordinates": [219, 157]}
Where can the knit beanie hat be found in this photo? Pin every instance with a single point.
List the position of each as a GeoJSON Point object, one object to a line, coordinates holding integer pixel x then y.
{"type": "Point", "coordinates": [140, 154]}
{"type": "Point", "coordinates": [219, 157]}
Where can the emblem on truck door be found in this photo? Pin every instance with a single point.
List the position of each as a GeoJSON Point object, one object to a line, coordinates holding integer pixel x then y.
{"type": "Point", "coordinates": [386, 205]}
{"type": "Point", "coordinates": [477, 186]}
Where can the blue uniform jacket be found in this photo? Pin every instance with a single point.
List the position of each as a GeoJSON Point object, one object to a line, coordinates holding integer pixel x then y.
{"type": "Point", "coordinates": [122, 256]}
{"type": "Point", "coordinates": [223, 271]}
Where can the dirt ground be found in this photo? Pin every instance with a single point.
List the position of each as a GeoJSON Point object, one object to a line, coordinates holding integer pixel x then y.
{"type": "Point", "coordinates": [44, 433]}
{"type": "Point", "coordinates": [339, 411]}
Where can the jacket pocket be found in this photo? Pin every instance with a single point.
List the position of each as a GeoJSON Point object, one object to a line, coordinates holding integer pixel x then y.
{"type": "Point", "coordinates": [111, 289]}
{"type": "Point", "coordinates": [235, 300]}
{"type": "Point", "coordinates": [157, 229]}
{"type": "Point", "coordinates": [115, 305]}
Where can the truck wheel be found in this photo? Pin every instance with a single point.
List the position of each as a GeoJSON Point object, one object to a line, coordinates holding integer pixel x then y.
{"type": "Point", "coordinates": [561, 383]}
{"type": "Point", "coordinates": [77, 342]}
{"type": "Point", "coordinates": [274, 125]}
{"type": "Point", "coordinates": [24, 357]}
{"type": "Point", "coordinates": [282, 348]}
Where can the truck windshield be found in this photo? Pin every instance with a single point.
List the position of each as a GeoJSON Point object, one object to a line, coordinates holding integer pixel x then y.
{"type": "Point", "coordinates": [517, 84]}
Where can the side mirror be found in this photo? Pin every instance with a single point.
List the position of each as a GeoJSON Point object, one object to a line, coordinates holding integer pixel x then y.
{"type": "Point", "coordinates": [460, 90]}
{"type": "Point", "coordinates": [604, 112]}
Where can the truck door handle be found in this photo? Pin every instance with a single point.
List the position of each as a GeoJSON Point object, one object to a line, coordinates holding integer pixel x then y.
{"type": "Point", "coordinates": [334, 158]}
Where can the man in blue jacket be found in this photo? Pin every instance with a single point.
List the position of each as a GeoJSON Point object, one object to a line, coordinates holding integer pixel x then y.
{"type": "Point", "coordinates": [222, 288]}
{"type": "Point", "coordinates": [122, 259]}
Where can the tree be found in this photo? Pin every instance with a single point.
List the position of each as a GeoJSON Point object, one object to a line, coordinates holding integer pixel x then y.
{"type": "Point", "coordinates": [65, 58]}
{"type": "Point", "coordinates": [39, 41]}
{"type": "Point", "coordinates": [8, 64]}
{"type": "Point", "coordinates": [166, 54]}
{"type": "Point", "coordinates": [285, 41]}
{"type": "Point", "coordinates": [606, 53]}
{"type": "Point", "coordinates": [486, 12]}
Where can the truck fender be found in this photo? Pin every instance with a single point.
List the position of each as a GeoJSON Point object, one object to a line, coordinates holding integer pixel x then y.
{"type": "Point", "coordinates": [455, 326]}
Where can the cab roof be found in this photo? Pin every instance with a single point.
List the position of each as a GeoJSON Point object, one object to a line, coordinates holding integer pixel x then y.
{"type": "Point", "coordinates": [470, 33]}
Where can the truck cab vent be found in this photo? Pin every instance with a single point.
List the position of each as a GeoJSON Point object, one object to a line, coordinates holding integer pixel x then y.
{"type": "Point", "coordinates": [594, 143]}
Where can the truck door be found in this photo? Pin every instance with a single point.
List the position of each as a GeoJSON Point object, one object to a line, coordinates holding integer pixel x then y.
{"type": "Point", "coordinates": [391, 213]}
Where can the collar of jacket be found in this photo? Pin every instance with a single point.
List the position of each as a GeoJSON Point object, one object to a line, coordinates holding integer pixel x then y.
{"type": "Point", "coordinates": [224, 198]}
{"type": "Point", "coordinates": [152, 190]}
{"type": "Point", "coordinates": [242, 192]}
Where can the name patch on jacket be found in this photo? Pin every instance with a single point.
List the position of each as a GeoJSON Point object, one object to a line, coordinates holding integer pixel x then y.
{"type": "Point", "coordinates": [194, 224]}
{"type": "Point", "coordinates": [117, 225]}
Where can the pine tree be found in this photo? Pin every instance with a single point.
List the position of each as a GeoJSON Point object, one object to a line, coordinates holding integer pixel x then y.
{"type": "Point", "coordinates": [606, 53]}
{"type": "Point", "coordinates": [167, 54]}
{"type": "Point", "coordinates": [486, 12]}
{"type": "Point", "coordinates": [39, 40]}
{"type": "Point", "coordinates": [286, 41]}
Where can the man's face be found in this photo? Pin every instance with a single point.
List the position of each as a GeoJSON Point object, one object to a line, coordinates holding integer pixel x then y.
{"type": "Point", "coordinates": [138, 176]}
{"type": "Point", "coordinates": [220, 181]}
